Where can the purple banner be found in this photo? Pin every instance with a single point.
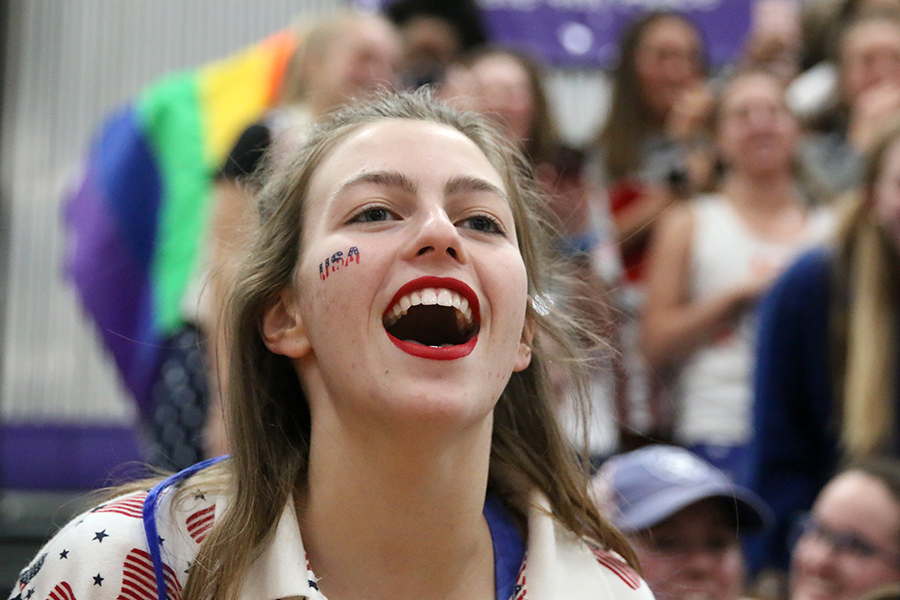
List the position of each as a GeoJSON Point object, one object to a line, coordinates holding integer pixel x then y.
{"type": "Point", "coordinates": [584, 33]}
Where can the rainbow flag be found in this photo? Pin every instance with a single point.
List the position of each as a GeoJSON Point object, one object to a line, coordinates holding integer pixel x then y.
{"type": "Point", "coordinates": [136, 221]}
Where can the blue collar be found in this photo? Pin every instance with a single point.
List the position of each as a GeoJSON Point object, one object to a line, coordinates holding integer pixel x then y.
{"type": "Point", "coordinates": [509, 548]}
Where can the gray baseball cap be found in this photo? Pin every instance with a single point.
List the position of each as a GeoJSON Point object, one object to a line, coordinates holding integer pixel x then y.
{"type": "Point", "coordinates": [653, 483]}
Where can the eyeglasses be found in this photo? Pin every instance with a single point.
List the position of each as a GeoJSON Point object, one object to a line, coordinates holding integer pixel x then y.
{"type": "Point", "coordinates": [846, 543]}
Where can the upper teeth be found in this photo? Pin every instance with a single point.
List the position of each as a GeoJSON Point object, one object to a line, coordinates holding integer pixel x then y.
{"type": "Point", "coordinates": [430, 297]}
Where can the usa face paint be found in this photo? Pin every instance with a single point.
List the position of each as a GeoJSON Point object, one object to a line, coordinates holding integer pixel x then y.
{"type": "Point", "coordinates": [333, 263]}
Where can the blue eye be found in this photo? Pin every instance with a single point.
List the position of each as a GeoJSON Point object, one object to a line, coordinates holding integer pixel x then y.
{"type": "Point", "coordinates": [484, 224]}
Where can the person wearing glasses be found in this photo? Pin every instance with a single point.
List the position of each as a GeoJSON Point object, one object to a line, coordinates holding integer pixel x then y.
{"type": "Point", "coordinates": [849, 544]}
{"type": "Point", "coordinates": [683, 516]}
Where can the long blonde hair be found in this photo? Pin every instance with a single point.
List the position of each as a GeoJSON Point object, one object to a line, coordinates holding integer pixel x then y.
{"type": "Point", "coordinates": [864, 317]}
{"type": "Point", "coordinates": [269, 416]}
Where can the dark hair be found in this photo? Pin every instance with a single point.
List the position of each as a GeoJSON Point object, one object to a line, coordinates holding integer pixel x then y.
{"type": "Point", "coordinates": [463, 15]}
{"type": "Point", "coordinates": [630, 121]}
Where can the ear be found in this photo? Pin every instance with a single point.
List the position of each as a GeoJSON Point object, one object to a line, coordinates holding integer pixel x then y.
{"type": "Point", "coordinates": [282, 328]}
{"type": "Point", "coordinates": [523, 356]}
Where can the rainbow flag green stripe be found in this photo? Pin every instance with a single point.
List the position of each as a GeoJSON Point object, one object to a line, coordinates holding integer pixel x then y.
{"type": "Point", "coordinates": [137, 222]}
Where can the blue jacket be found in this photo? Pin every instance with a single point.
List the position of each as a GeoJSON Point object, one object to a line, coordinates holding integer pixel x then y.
{"type": "Point", "coordinates": [794, 448]}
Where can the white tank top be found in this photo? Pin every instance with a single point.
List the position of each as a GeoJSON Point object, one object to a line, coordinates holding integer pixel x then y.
{"type": "Point", "coordinates": [713, 388]}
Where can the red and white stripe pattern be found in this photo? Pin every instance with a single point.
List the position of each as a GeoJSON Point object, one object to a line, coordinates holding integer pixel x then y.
{"type": "Point", "coordinates": [618, 566]}
{"type": "Point", "coordinates": [519, 592]}
{"type": "Point", "coordinates": [139, 581]}
{"type": "Point", "coordinates": [62, 591]}
{"type": "Point", "coordinates": [130, 506]}
{"type": "Point", "coordinates": [198, 524]}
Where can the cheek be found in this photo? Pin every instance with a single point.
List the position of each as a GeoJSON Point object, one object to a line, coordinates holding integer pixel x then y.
{"type": "Point", "coordinates": [659, 572]}
{"type": "Point", "coordinates": [339, 261]}
{"type": "Point", "coordinates": [331, 282]}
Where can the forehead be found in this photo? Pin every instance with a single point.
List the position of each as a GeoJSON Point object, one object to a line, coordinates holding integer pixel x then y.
{"type": "Point", "coordinates": [699, 517]}
{"type": "Point", "coordinates": [425, 152]}
{"type": "Point", "coordinates": [669, 31]}
{"type": "Point", "coordinates": [753, 87]}
{"type": "Point", "coordinates": [859, 501]}
{"type": "Point", "coordinates": [871, 36]}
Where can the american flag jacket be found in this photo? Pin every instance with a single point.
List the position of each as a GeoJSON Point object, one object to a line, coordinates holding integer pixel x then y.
{"type": "Point", "coordinates": [103, 554]}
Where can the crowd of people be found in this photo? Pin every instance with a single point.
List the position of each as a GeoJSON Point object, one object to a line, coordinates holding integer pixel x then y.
{"type": "Point", "coordinates": [411, 297]}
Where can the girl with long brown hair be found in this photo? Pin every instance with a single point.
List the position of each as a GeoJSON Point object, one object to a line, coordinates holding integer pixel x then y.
{"type": "Point", "coordinates": [390, 417]}
{"type": "Point", "coordinates": [827, 358]}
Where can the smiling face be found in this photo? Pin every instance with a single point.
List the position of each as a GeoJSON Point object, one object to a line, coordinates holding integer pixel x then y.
{"type": "Point", "coordinates": [363, 56]}
{"type": "Point", "coordinates": [869, 56]}
{"type": "Point", "coordinates": [667, 61]}
{"type": "Point", "coordinates": [504, 92]}
{"type": "Point", "coordinates": [853, 506]}
{"type": "Point", "coordinates": [693, 555]}
{"type": "Point", "coordinates": [426, 320]}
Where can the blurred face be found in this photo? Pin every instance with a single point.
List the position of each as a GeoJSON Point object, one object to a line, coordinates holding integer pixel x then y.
{"type": "Point", "coordinates": [693, 555]}
{"type": "Point", "coordinates": [411, 290]}
{"type": "Point", "coordinates": [364, 58]}
{"type": "Point", "coordinates": [870, 55]}
{"type": "Point", "coordinates": [886, 200]}
{"type": "Point", "coordinates": [429, 41]}
{"type": "Point", "coordinates": [503, 92]}
{"type": "Point", "coordinates": [852, 543]}
{"type": "Point", "coordinates": [667, 61]}
{"type": "Point", "coordinates": [756, 130]}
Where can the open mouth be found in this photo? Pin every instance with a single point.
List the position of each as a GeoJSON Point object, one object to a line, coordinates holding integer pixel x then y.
{"type": "Point", "coordinates": [433, 318]}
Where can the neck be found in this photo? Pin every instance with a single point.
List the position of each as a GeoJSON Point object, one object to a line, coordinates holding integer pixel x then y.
{"type": "Point", "coordinates": [399, 515]}
{"type": "Point", "coordinates": [763, 193]}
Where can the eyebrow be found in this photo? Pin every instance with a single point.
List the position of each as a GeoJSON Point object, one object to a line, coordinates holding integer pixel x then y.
{"type": "Point", "coordinates": [465, 183]}
{"type": "Point", "coordinates": [397, 180]}
{"type": "Point", "coordinates": [392, 179]}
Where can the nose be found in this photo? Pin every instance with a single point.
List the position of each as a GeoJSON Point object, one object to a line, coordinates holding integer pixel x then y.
{"type": "Point", "coordinates": [703, 561]}
{"type": "Point", "coordinates": [813, 555]}
{"type": "Point", "coordinates": [437, 237]}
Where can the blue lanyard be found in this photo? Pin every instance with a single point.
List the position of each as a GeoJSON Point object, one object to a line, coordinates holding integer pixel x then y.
{"type": "Point", "coordinates": [509, 548]}
{"type": "Point", "coordinates": [149, 513]}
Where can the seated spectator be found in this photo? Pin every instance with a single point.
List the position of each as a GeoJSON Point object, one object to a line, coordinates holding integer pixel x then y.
{"type": "Point", "coordinates": [683, 517]}
{"type": "Point", "coordinates": [435, 33]}
{"type": "Point", "coordinates": [649, 153]}
{"type": "Point", "coordinates": [714, 256]}
{"type": "Point", "coordinates": [825, 387]}
{"type": "Point", "coordinates": [822, 25]}
{"type": "Point", "coordinates": [867, 97]}
{"type": "Point", "coordinates": [507, 86]}
{"type": "Point", "coordinates": [849, 545]}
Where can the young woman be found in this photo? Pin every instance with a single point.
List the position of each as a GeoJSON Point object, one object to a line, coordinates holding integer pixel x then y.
{"type": "Point", "coordinates": [826, 386]}
{"type": "Point", "coordinates": [865, 99]}
{"type": "Point", "coordinates": [714, 256]}
{"type": "Point", "coordinates": [392, 435]}
{"type": "Point", "coordinates": [651, 152]}
{"type": "Point", "coordinates": [849, 544]}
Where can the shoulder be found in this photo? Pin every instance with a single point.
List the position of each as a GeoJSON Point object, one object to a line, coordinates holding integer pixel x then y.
{"type": "Point", "coordinates": [90, 555]}
{"type": "Point", "coordinates": [800, 297]}
{"type": "Point", "coordinates": [104, 552]}
{"type": "Point", "coordinates": [559, 564]}
{"type": "Point", "coordinates": [810, 272]}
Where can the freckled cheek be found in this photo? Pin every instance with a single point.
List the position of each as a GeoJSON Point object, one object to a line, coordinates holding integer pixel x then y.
{"type": "Point", "coordinates": [333, 284]}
